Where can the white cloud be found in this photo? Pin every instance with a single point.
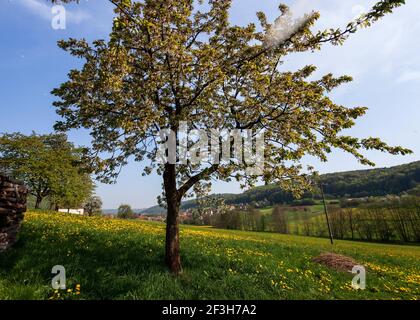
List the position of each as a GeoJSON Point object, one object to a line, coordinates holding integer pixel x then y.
{"type": "Point", "coordinates": [43, 10]}
{"type": "Point", "coordinates": [409, 75]}
{"type": "Point", "coordinates": [40, 9]}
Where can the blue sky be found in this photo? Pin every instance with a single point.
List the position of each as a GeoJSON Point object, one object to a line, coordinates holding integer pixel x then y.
{"type": "Point", "coordinates": [384, 61]}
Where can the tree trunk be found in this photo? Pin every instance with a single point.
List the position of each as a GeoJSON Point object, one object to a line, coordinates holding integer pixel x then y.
{"type": "Point", "coordinates": [38, 202]}
{"type": "Point", "coordinates": [172, 254]}
{"type": "Point", "coordinates": [173, 259]}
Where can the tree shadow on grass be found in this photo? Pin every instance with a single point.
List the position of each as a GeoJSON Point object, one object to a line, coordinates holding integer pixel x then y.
{"type": "Point", "coordinates": [105, 267]}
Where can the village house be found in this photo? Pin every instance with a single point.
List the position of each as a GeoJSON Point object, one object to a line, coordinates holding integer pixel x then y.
{"type": "Point", "coordinates": [73, 211]}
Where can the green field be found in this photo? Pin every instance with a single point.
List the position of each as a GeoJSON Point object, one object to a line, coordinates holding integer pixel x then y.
{"type": "Point", "coordinates": [296, 215]}
{"type": "Point", "coordinates": [311, 211]}
{"type": "Point", "coordinates": [116, 259]}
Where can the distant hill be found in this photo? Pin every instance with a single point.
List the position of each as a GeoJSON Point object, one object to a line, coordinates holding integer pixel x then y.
{"type": "Point", "coordinates": [115, 211]}
{"type": "Point", "coordinates": [349, 184]}
{"type": "Point", "coordinates": [373, 182]}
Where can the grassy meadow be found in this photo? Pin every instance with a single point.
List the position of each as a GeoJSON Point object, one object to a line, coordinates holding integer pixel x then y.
{"type": "Point", "coordinates": [297, 214]}
{"type": "Point", "coordinates": [117, 259]}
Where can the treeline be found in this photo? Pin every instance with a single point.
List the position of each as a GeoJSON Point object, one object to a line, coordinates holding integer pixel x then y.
{"type": "Point", "coordinates": [237, 219]}
{"type": "Point", "coordinates": [384, 225]}
{"type": "Point", "coordinates": [351, 184]}
{"type": "Point", "coordinates": [398, 220]}
{"type": "Point", "coordinates": [372, 183]}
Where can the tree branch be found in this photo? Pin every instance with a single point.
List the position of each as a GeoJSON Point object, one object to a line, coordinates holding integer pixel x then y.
{"type": "Point", "coordinates": [194, 179]}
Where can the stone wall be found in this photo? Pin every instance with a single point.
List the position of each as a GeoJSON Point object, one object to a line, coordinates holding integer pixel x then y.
{"type": "Point", "coordinates": [12, 207]}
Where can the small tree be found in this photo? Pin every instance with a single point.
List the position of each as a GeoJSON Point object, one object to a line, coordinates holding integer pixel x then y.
{"type": "Point", "coordinates": [49, 165]}
{"type": "Point", "coordinates": [125, 212]}
{"type": "Point", "coordinates": [172, 61]}
{"type": "Point", "coordinates": [339, 223]}
{"type": "Point", "coordinates": [279, 220]}
{"type": "Point", "coordinates": [93, 205]}
{"type": "Point", "coordinates": [350, 217]}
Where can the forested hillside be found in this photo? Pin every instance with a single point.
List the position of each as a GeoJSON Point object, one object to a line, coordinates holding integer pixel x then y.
{"type": "Point", "coordinates": [350, 184]}
{"type": "Point", "coordinates": [375, 182]}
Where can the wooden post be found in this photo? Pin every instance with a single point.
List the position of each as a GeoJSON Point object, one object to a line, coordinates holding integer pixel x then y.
{"type": "Point", "coordinates": [326, 213]}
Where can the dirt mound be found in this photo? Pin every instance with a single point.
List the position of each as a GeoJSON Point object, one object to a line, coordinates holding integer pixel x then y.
{"type": "Point", "coordinates": [336, 261]}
